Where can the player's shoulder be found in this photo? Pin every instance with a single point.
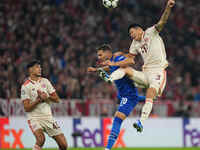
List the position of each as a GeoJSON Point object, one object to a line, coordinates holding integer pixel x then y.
{"type": "Point", "coordinates": [118, 53]}
{"type": "Point", "coordinates": [120, 57]}
{"type": "Point", "coordinates": [44, 79]}
{"type": "Point", "coordinates": [26, 83]}
{"type": "Point", "coordinates": [151, 29]}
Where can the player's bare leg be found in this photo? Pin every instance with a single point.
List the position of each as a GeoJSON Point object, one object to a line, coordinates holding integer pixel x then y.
{"type": "Point", "coordinates": [61, 141]}
{"type": "Point", "coordinates": [120, 115]}
{"type": "Point", "coordinates": [40, 139]}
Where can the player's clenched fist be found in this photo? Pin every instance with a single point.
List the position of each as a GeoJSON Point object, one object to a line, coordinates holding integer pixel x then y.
{"type": "Point", "coordinates": [171, 3]}
{"type": "Point", "coordinates": [42, 95]}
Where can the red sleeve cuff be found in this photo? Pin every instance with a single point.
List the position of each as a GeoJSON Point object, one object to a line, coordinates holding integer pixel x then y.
{"type": "Point", "coordinates": [132, 54]}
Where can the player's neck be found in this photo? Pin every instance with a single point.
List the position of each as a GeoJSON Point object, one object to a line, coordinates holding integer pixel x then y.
{"type": "Point", "coordinates": [110, 56]}
{"type": "Point", "coordinates": [34, 78]}
{"type": "Point", "coordinates": [141, 35]}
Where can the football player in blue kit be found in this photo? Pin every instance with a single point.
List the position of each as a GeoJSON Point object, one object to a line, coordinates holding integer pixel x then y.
{"type": "Point", "coordinates": [127, 92]}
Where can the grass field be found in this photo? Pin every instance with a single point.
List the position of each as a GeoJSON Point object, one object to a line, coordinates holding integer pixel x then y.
{"type": "Point", "coordinates": [118, 149]}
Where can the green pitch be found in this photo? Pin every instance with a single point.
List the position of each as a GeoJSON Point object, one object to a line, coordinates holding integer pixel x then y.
{"type": "Point", "coordinates": [119, 149]}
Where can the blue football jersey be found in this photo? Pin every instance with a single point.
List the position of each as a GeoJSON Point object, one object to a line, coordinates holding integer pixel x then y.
{"type": "Point", "coordinates": [125, 86]}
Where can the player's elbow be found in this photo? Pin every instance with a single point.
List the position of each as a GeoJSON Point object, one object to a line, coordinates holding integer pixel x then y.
{"type": "Point", "coordinates": [159, 26]}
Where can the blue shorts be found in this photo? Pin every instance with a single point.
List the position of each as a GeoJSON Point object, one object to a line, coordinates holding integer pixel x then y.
{"type": "Point", "coordinates": [127, 105]}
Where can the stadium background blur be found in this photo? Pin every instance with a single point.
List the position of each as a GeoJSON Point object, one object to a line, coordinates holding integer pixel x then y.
{"type": "Point", "coordinates": [63, 34]}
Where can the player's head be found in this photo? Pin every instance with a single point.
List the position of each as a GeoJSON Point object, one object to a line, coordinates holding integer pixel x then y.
{"type": "Point", "coordinates": [104, 52]}
{"type": "Point", "coordinates": [135, 31]}
{"type": "Point", "coordinates": [34, 68]}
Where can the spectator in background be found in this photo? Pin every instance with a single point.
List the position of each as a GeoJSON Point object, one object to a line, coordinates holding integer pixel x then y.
{"type": "Point", "coordinates": [183, 110]}
{"type": "Point", "coordinates": [63, 34]}
{"type": "Point", "coordinates": [197, 93]}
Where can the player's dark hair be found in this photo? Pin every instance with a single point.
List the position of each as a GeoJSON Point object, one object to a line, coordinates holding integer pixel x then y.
{"type": "Point", "coordinates": [32, 63]}
{"type": "Point", "coordinates": [104, 47]}
{"type": "Point", "coordinates": [134, 25]}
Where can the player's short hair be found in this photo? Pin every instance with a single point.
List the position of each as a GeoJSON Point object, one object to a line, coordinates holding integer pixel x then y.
{"type": "Point", "coordinates": [32, 63]}
{"type": "Point", "coordinates": [134, 25]}
{"type": "Point", "coordinates": [104, 47]}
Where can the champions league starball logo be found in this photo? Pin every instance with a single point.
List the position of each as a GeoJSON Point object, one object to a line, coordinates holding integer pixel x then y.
{"type": "Point", "coordinates": [191, 133]}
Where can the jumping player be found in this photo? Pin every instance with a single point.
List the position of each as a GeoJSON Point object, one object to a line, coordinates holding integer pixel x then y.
{"type": "Point", "coordinates": [150, 45]}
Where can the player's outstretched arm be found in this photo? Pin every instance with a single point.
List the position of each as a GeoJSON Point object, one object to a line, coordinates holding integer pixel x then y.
{"type": "Point", "coordinates": [159, 26]}
{"type": "Point", "coordinates": [93, 69]}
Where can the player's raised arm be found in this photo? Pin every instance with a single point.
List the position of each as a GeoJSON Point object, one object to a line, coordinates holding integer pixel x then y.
{"type": "Point", "coordinates": [93, 69]}
{"type": "Point", "coordinates": [159, 26]}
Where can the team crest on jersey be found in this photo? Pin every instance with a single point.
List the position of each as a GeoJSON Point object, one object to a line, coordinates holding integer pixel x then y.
{"type": "Point", "coordinates": [43, 85]}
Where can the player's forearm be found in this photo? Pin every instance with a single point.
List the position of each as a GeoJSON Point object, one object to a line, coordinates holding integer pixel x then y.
{"type": "Point", "coordinates": [54, 98]}
{"type": "Point", "coordinates": [30, 106]}
{"type": "Point", "coordinates": [163, 20]}
{"type": "Point", "coordinates": [125, 63]}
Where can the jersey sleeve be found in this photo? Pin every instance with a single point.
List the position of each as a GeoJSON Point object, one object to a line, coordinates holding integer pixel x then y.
{"type": "Point", "coordinates": [50, 88]}
{"type": "Point", "coordinates": [119, 58]}
{"type": "Point", "coordinates": [151, 31]}
{"type": "Point", "coordinates": [24, 93]}
{"type": "Point", "coordinates": [133, 49]}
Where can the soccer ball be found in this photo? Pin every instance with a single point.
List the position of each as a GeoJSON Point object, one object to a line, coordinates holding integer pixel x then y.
{"type": "Point", "coordinates": [110, 3]}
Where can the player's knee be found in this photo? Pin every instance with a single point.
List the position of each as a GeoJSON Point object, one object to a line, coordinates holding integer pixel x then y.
{"type": "Point", "coordinates": [40, 139]}
{"type": "Point", "coordinates": [153, 91]}
{"type": "Point", "coordinates": [120, 115]}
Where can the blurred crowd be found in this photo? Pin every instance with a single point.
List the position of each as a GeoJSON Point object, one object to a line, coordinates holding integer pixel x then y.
{"type": "Point", "coordinates": [64, 34]}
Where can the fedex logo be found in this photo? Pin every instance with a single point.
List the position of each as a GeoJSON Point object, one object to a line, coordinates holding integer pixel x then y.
{"type": "Point", "coordinates": [96, 137]}
{"type": "Point", "coordinates": [9, 132]}
{"type": "Point", "coordinates": [191, 133]}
